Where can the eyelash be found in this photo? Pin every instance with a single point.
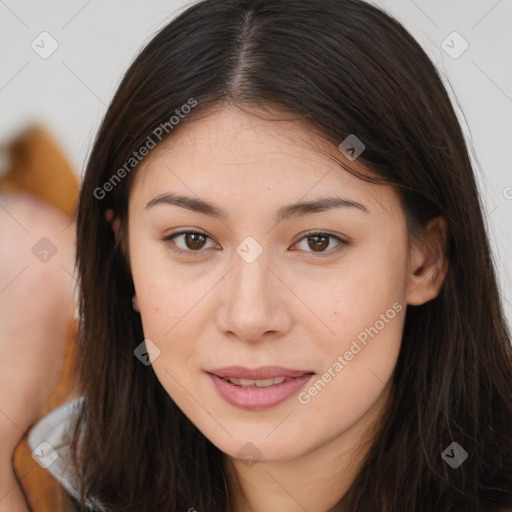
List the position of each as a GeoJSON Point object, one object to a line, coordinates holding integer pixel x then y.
{"type": "Point", "coordinates": [169, 238]}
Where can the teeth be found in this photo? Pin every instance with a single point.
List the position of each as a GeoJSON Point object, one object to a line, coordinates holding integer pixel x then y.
{"type": "Point", "coordinates": [259, 383]}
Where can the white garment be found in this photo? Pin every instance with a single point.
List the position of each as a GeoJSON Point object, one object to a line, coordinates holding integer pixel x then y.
{"type": "Point", "coordinates": [50, 449]}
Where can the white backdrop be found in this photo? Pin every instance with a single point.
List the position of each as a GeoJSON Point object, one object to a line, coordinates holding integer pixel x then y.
{"type": "Point", "coordinates": [94, 41]}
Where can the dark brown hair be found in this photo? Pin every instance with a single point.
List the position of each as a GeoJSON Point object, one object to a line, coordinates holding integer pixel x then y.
{"type": "Point", "coordinates": [345, 67]}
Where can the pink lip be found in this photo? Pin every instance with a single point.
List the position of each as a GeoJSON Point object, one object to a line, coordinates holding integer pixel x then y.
{"type": "Point", "coordinates": [254, 399]}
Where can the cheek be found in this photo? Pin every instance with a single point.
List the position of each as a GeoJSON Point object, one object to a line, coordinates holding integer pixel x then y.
{"type": "Point", "coordinates": [169, 316]}
{"type": "Point", "coordinates": [362, 313]}
{"type": "Point", "coordinates": [356, 369]}
{"type": "Point", "coordinates": [344, 301]}
{"type": "Point", "coordinates": [173, 325]}
{"type": "Point", "coordinates": [167, 311]}
{"type": "Point", "coordinates": [166, 295]}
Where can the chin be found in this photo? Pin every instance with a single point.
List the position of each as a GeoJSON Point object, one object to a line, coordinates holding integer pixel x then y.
{"type": "Point", "coordinates": [259, 450]}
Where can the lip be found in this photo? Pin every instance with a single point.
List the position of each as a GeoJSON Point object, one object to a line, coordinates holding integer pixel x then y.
{"type": "Point", "coordinates": [257, 399]}
{"type": "Point", "coordinates": [263, 372]}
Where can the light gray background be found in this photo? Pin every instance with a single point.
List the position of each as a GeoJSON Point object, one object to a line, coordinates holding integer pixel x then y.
{"type": "Point", "coordinates": [97, 39]}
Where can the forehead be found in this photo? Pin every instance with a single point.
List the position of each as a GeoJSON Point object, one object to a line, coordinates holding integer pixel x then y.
{"type": "Point", "coordinates": [230, 152]}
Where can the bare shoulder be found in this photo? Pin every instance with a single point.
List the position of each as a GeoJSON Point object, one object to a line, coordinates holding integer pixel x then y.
{"type": "Point", "coordinates": [32, 213]}
{"type": "Point", "coordinates": [36, 301]}
{"type": "Point", "coordinates": [35, 235]}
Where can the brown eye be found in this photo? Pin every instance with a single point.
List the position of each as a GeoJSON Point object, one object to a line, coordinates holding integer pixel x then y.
{"type": "Point", "coordinates": [318, 242]}
{"type": "Point", "coordinates": [192, 242]}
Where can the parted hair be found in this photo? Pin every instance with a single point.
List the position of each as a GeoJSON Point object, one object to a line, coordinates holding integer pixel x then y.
{"type": "Point", "coordinates": [344, 67]}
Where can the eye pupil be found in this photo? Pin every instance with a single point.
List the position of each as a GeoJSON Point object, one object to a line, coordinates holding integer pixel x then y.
{"type": "Point", "coordinates": [316, 244]}
{"type": "Point", "coordinates": [194, 237]}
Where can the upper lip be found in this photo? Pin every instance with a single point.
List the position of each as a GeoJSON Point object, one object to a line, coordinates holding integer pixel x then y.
{"type": "Point", "coordinates": [263, 372]}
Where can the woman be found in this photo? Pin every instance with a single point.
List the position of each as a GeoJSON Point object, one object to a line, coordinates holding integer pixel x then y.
{"type": "Point", "coordinates": [296, 307]}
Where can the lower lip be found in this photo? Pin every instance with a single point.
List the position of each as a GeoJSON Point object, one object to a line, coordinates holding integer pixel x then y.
{"type": "Point", "coordinates": [257, 399]}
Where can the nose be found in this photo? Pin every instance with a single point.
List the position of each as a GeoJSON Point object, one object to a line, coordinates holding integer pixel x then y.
{"type": "Point", "coordinates": [254, 301]}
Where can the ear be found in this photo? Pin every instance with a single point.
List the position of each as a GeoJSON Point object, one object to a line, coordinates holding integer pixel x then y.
{"type": "Point", "coordinates": [114, 222]}
{"type": "Point", "coordinates": [135, 303]}
{"type": "Point", "coordinates": [428, 263]}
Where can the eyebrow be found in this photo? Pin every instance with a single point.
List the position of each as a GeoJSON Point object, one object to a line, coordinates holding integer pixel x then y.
{"type": "Point", "coordinates": [283, 213]}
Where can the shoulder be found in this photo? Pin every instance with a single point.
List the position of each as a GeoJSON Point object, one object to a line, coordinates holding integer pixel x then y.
{"type": "Point", "coordinates": [48, 442]}
{"type": "Point", "coordinates": [47, 439]}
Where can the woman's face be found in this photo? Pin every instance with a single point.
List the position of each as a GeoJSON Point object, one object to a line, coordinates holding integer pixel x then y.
{"type": "Point", "coordinates": [256, 288]}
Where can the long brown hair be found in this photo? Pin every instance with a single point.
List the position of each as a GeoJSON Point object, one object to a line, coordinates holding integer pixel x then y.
{"type": "Point", "coordinates": [345, 67]}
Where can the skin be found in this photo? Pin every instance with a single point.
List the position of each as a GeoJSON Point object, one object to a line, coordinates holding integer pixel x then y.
{"type": "Point", "coordinates": [36, 303]}
{"type": "Point", "coordinates": [293, 306]}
